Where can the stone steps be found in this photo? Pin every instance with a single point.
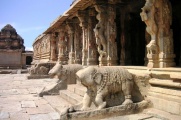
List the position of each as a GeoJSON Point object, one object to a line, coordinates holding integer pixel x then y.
{"type": "Point", "coordinates": [166, 99]}
{"type": "Point", "coordinates": [70, 96]}
{"type": "Point", "coordinates": [165, 83]}
{"type": "Point", "coordinates": [77, 89]}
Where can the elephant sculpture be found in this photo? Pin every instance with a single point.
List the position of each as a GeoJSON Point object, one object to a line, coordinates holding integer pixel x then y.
{"type": "Point", "coordinates": [65, 74]}
{"type": "Point", "coordinates": [105, 81]}
{"type": "Point", "coordinates": [40, 68]}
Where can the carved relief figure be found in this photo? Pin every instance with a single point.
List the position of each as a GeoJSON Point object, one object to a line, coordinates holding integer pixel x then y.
{"type": "Point", "coordinates": [103, 81]}
{"type": "Point", "coordinates": [100, 29]}
{"type": "Point", "coordinates": [152, 47]}
{"type": "Point", "coordinates": [148, 16]}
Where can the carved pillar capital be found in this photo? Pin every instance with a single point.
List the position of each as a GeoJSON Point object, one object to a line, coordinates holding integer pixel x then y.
{"type": "Point", "coordinates": [82, 16]}
{"type": "Point", "coordinates": [70, 26]}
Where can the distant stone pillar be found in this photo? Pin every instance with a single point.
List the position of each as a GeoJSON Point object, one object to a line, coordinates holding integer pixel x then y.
{"type": "Point", "coordinates": [53, 47]}
{"type": "Point", "coordinates": [62, 44]}
{"type": "Point", "coordinates": [157, 15]}
{"type": "Point", "coordinates": [82, 15]}
{"type": "Point", "coordinates": [100, 31]}
{"type": "Point", "coordinates": [112, 58]}
{"type": "Point", "coordinates": [78, 43]}
{"type": "Point", "coordinates": [92, 58]}
{"type": "Point", "coordinates": [71, 40]}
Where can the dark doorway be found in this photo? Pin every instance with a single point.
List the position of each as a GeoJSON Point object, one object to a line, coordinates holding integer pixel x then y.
{"type": "Point", "coordinates": [28, 60]}
{"type": "Point", "coordinates": [176, 27]}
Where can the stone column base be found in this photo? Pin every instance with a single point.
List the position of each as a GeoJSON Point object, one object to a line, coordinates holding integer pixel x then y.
{"type": "Point", "coordinates": [102, 61]}
{"type": "Point", "coordinates": [112, 61]}
{"type": "Point", "coordinates": [92, 61]}
{"type": "Point", "coordinates": [166, 60]}
{"type": "Point", "coordinates": [152, 61]}
{"type": "Point", "coordinates": [71, 58]}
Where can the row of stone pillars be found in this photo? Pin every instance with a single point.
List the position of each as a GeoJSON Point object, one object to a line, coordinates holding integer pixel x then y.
{"type": "Point", "coordinates": [92, 34]}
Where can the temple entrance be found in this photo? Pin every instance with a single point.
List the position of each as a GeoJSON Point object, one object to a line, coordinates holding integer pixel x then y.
{"type": "Point", "coordinates": [131, 38]}
{"type": "Point", "coordinates": [176, 27]}
{"type": "Point", "coordinates": [137, 39]}
{"type": "Point", "coordinates": [28, 60]}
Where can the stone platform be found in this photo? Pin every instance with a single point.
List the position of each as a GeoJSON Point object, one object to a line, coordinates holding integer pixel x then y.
{"type": "Point", "coordinates": [19, 101]}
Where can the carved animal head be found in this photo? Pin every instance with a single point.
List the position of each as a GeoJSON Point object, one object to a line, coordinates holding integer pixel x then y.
{"type": "Point", "coordinates": [56, 70]}
{"type": "Point", "coordinates": [89, 76]}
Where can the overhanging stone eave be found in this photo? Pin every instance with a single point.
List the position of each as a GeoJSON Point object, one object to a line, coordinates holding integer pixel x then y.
{"type": "Point", "coordinates": [78, 5]}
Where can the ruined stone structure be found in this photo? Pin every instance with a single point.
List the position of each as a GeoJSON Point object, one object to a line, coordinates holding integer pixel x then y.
{"type": "Point", "coordinates": [12, 50]}
{"type": "Point", "coordinates": [123, 33]}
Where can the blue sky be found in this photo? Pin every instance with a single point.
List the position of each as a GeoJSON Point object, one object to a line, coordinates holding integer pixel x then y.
{"type": "Point", "coordinates": [30, 18]}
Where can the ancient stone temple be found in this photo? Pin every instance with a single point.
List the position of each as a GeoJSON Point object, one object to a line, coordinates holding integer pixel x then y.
{"type": "Point", "coordinates": [142, 36]}
{"type": "Point", "coordinates": [12, 49]}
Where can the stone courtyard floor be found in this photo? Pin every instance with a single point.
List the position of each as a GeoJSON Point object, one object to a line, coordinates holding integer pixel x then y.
{"type": "Point", "coordinates": [19, 101]}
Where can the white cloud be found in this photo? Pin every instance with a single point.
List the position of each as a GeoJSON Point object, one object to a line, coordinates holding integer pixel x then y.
{"type": "Point", "coordinates": [29, 48]}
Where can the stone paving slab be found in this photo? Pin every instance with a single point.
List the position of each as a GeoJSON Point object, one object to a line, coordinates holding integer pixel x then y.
{"type": "Point", "coordinates": [28, 104]}
{"type": "Point", "coordinates": [19, 99]}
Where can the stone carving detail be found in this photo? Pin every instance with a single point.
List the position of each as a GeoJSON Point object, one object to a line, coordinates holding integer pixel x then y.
{"type": "Point", "coordinates": [82, 16]}
{"type": "Point", "coordinates": [9, 39]}
{"type": "Point", "coordinates": [99, 31]}
{"type": "Point", "coordinates": [53, 47]}
{"type": "Point", "coordinates": [78, 45]}
{"type": "Point", "coordinates": [152, 48]}
{"type": "Point", "coordinates": [148, 16]}
{"type": "Point", "coordinates": [40, 68]}
{"type": "Point", "coordinates": [62, 45]}
{"type": "Point", "coordinates": [112, 46]}
{"type": "Point", "coordinates": [102, 82]}
{"type": "Point", "coordinates": [92, 58]}
{"type": "Point", "coordinates": [66, 75]}
{"type": "Point", "coordinates": [158, 20]}
{"type": "Point", "coordinates": [71, 30]}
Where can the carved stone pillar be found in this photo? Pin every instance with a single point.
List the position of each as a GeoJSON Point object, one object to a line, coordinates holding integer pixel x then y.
{"type": "Point", "coordinates": [158, 17]}
{"type": "Point", "coordinates": [111, 36]}
{"type": "Point", "coordinates": [71, 40]}
{"type": "Point", "coordinates": [62, 44]}
{"type": "Point", "coordinates": [100, 32]}
{"type": "Point", "coordinates": [148, 16]}
{"type": "Point", "coordinates": [165, 35]}
{"type": "Point", "coordinates": [78, 44]}
{"type": "Point", "coordinates": [53, 47]}
{"type": "Point", "coordinates": [123, 37]}
{"type": "Point", "coordinates": [92, 58]}
{"type": "Point", "coordinates": [82, 15]}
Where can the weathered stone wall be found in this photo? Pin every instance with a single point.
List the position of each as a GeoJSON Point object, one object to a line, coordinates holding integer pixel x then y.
{"type": "Point", "coordinates": [41, 48]}
{"type": "Point", "coordinates": [11, 59]}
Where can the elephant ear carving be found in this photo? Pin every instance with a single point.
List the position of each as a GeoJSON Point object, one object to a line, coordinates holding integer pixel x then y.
{"type": "Point", "coordinates": [97, 78]}
{"type": "Point", "coordinates": [64, 71]}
